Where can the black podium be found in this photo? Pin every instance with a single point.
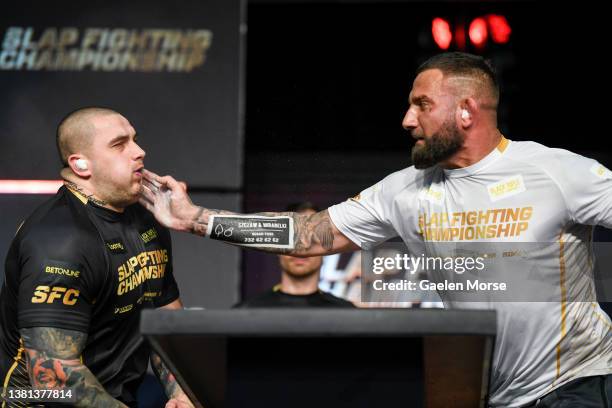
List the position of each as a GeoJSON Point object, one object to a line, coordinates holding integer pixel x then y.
{"type": "Point", "coordinates": [327, 358]}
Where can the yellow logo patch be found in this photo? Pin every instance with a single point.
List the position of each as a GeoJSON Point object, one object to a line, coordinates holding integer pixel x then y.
{"type": "Point", "coordinates": [148, 235]}
{"type": "Point", "coordinates": [57, 270]}
{"type": "Point", "coordinates": [115, 246]}
{"type": "Point", "coordinates": [46, 294]}
{"type": "Point", "coordinates": [433, 194]}
{"type": "Point", "coordinates": [600, 171]}
{"type": "Point", "coordinates": [507, 187]}
{"type": "Point", "coordinates": [124, 309]}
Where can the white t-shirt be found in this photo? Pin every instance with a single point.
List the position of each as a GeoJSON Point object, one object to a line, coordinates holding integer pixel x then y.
{"type": "Point", "coordinates": [520, 192]}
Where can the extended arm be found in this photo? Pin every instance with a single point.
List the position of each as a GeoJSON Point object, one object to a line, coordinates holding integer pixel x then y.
{"type": "Point", "coordinates": [312, 234]}
{"type": "Point", "coordinates": [53, 361]}
{"type": "Point", "coordinates": [174, 392]}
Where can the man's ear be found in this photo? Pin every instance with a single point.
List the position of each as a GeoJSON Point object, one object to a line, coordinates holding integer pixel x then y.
{"type": "Point", "coordinates": [467, 111]}
{"type": "Point", "coordinates": [79, 165]}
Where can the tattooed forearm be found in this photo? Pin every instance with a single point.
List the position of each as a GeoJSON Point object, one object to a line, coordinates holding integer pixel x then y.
{"type": "Point", "coordinates": [313, 234]}
{"type": "Point", "coordinates": [313, 230]}
{"type": "Point", "coordinates": [53, 361]}
{"type": "Point", "coordinates": [200, 221]}
{"type": "Point", "coordinates": [167, 379]}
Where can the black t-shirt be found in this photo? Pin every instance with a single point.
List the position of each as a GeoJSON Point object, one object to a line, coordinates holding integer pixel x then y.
{"type": "Point", "coordinates": [74, 265]}
{"type": "Point", "coordinates": [276, 298]}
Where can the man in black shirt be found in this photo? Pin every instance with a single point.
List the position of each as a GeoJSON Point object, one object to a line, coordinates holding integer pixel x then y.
{"type": "Point", "coordinates": [80, 270]}
{"type": "Point", "coordinates": [299, 285]}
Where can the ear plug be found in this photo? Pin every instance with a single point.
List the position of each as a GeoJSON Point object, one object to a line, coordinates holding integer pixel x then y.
{"type": "Point", "coordinates": [81, 164]}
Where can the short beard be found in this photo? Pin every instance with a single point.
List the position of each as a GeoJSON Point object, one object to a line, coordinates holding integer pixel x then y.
{"type": "Point", "coordinates": [439, 147]}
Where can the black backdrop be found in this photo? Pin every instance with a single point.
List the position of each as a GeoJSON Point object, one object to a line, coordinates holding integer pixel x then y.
{"type": "Point", "coordinates": [188, 120]}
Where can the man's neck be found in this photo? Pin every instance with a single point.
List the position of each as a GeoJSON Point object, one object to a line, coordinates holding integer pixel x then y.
{"type": "Point", "coordinates": [475, 148]}
{"type": "Point", "coordinates": [85, 194]}
{"type": "Point", "coordinates": [299, 286]}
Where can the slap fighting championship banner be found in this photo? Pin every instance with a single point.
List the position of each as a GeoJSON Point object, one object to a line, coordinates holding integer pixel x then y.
{"type": "Point", "coordinates": [172, 68]}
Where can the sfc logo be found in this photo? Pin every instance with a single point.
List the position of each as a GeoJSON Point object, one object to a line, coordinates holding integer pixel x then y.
{"type": "Point", "coordinates": [46, 294]}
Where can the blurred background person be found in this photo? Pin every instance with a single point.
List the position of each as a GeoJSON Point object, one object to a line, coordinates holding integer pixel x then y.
{"type": "Point", "coordinates": [299, 285]}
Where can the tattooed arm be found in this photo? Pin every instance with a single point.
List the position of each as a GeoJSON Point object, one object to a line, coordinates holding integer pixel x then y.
{"type": "Point", "coordinates": [167, 199]}
{"type": "Point", "coordinates": [173, 390]}
{"type": "Point", "coordinates": [177, 397]}
{"type": "Point", "coordinates": [53, 361]}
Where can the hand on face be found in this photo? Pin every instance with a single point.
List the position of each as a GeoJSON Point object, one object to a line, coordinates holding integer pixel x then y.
{"type": "Point", "coordinates": [167, 199]}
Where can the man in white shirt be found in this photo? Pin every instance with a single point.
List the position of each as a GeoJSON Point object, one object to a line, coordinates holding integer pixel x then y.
{"type": "Point", "coordinates": [468, 183]}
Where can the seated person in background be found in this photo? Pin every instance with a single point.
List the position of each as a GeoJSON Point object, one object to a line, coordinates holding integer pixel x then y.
{"type": "Point", "coordinates": [299, 286]}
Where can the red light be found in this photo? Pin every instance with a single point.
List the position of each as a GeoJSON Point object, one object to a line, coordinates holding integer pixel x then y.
{"type": "Point", "coordinates": [500, 29]}
{"type": "Point", "coordinates": [478, 32]}
{"type": "Point", "coordinates": [30, 186]}
{"type": "Point", "coordinates": [460, 37]}
{"type": "Point", "coordinates": [440, 29]}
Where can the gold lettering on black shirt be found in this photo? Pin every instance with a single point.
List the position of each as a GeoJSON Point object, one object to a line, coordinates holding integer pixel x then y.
{"type": "Point", "coordinates": [140, 268]}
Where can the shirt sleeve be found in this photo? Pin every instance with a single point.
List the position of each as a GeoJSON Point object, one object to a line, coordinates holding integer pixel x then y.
{"type": "Point", "coordinates": [365, 219]}
{"type": "Point", "coordinates": [587, 188]}
{"type": "Point", "coordinates": [59, 281]}
{"type": "Point", "coordinates": [169, 291]}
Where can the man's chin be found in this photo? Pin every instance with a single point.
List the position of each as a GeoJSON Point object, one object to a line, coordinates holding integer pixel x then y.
{"type": "Point", "coordinates": [300, 274]}
{"type": "Point", "coordinates": [420, 162]}
{"type": "Point", "coordinates": [128, 199]}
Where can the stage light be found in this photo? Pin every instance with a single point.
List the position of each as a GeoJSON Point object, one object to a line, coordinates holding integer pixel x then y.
{"type": "Point", "coordinates": [500, 28]}
{"type": "Point", "coordinates": [480, 29]}
{"type": "Point", "coordinates": [440, 29]}
{"type": "Point", "coordinates": [478, 32]}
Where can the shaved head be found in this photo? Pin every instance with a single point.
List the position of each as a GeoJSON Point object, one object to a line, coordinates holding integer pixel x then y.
{"type": "Point", "coordinates": [468, 76]}
{"type": "Point", "coordinates": [76, 131]}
